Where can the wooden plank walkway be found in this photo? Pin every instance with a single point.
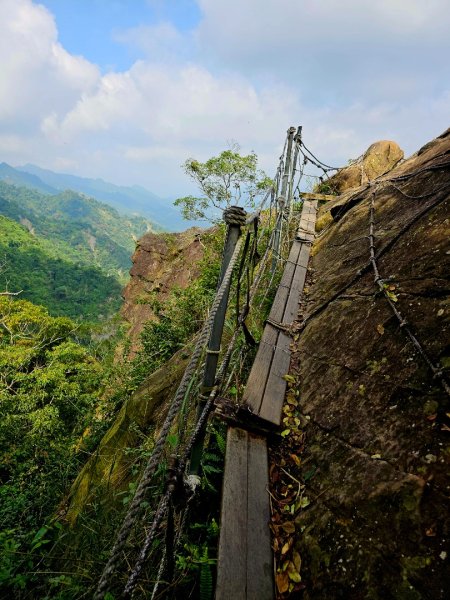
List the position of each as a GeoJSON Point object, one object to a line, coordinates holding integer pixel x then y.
{"type": "Point", "coordinates": [245, 562]}
{"type": "Point", "coordinates": [245, 556]}
{"type": "Point", "coordinates": [264, 393]}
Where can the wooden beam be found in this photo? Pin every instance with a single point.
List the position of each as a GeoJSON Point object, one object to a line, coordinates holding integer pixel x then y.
{"type": "Point", "coordinates": [232, 560]}
{"type": "Point", "coordinates": [321, 197]}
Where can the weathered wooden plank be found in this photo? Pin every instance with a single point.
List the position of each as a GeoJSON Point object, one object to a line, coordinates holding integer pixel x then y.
{"type": "Point", "coordinates": [232, 559]}
{"type": "Point", "coordinates": [289, 268]}
{"type": "Point", "coordinates": [323, 197]}
{"type": "Point", "coordinates": [273, 400]}
{"type": "Point", "coordinates": [308, 223]}
{"type": "Point", "coordinates": [305, 234]}
{"type": "Point", "coordinates": [291, 310]}
{"type": "Point", "coordinates": [303, 258]}
{"type": "Point", "coordinates": [275, 388]}
{"type": "Point", "coordinates": [284, 310]}
{"type": "Point", "coordinates": [260, 584]}
{"type": "Point", "coordinates": [309, 211]}
{"type": "Point", "coordinates": [256, 383]}
{"type": "Point", "coordinates": [279, 302]}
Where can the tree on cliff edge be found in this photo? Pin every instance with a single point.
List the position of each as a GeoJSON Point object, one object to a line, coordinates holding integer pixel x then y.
{"type": "Point", "coordinates": [224, 180]}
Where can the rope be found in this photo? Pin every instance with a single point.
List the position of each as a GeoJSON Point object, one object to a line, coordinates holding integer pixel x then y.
{"type": "Point", "coordinates": [165, 500]}
{"type": "Point", "coordinates": [155, 459]}
{"type": "Point", "coordinates": [235, 215]}
{"type": "Point", "coordinates": [159, 515]}
{"type": "Point", "coordinates": [441, 197]}
{"type": "Point", "coordinates": [162, 566]}
{"type": "Point", "coordinates": [161, 511]}
{"type": "Point", "coordinates": [320, 163]}
{"type": "Point", "coordinates": [378, 280]}
{"type": "Point", "coordinates": [285, 327]}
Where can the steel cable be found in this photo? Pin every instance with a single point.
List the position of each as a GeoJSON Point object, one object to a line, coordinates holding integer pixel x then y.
{"type": "Point", "coordinates": [231, 216]}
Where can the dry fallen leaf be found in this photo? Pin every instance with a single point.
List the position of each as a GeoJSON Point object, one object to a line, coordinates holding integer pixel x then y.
{"type": "Point", "coordinates": [282, 580]}
{"type": "Point", "coordinates": [380, 329]}
{"type": "Point", "coordinates": [286, 547]}
{"type": "Point", "coordinates": [293, 573]}
{"type": "Point", "coordinates": [296, 459]}
{"type": "Point", "coordinates": [289, 527]}
{"type": "Point", "coordinates": [297, 560]}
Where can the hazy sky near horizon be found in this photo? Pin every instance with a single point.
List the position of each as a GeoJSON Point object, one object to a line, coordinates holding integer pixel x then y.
{"type": "Point", "coordinates": [127, 90]}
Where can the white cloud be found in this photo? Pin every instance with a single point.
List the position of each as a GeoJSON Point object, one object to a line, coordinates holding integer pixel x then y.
{"type": "Point", "coordinates": [250, 70]}
{"type": "Point", "coordinates": [172, 106]}
{"type": "Point", "coordinates": [37, 75]}
{"type": "Point", "coordinates": [330, 49]}
{"type": "Point", "coordinates": [255, 25]}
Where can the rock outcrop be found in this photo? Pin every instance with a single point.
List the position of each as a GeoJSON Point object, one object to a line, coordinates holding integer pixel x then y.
{"type": "Point", "coordinates": [161, 262]}
{"type": "Point", "coordinates": [380, 158]}
{"type": "Point", "coordinates": [377, 441]}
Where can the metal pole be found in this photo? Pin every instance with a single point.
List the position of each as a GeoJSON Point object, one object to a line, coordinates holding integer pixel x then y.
{"type": "Point", "coordinates": [282, 198]}
{"type": "Point", "coordinates": [297, 140]}
{"type": "Point", "coordinates": [234, 217]}
{"type": "Point", "coordinates": [287, 165]}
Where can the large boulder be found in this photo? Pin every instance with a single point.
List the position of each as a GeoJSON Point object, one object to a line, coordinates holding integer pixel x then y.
{"type": "Point", "coordinates": [380, 158]}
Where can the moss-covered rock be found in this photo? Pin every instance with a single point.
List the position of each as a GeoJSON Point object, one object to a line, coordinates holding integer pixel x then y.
{"type": "Point", "coordinates": [108, 470]}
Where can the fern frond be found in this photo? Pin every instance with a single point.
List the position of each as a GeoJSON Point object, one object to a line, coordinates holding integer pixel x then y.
{"type": "Point", "coordinates": [206, 583]}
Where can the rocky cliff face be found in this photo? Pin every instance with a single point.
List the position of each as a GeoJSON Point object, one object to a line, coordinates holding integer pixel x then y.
{"type": "Point", "coordinates": [161, 262]}
{"type": "Point", "coordinates": [378, 441]}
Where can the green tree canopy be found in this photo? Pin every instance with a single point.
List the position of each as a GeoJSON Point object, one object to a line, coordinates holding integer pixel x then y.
{"type": "Point", "coordinates": [223, 180]}
{"type": "Point", "coordinates": [49, 386]}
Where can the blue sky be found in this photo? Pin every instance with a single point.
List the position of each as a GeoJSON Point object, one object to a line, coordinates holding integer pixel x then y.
{"type": "Point", "coordinates": [89, 27]}
{"type": "Point", "coordinates": [127, 90]}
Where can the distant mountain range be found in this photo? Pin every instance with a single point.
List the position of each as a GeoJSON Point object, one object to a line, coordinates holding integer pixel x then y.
{"type": "Point", "coordinates": [127, 200]}
{"type": "Point", "coordinates": [66, 251]}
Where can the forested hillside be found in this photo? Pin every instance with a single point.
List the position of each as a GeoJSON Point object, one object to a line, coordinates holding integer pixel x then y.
{"type": "Point", "coordinates": [67, 252]}
{"type": "Point", "coordinates": [49, 392]}
{"type": "Point", "coordinates": [95, 232]}
{"type": "Point", "coordinates": [49, 274]}
{"type": "Point", "coordinates": [133, 199]}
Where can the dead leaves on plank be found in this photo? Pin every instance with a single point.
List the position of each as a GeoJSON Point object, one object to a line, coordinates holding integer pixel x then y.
{"type": "Point", "coordinates": [288, 499]}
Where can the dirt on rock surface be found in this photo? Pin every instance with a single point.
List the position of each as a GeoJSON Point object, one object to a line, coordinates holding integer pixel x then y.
{"type": "Point", "coordinates": [378, 434]}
